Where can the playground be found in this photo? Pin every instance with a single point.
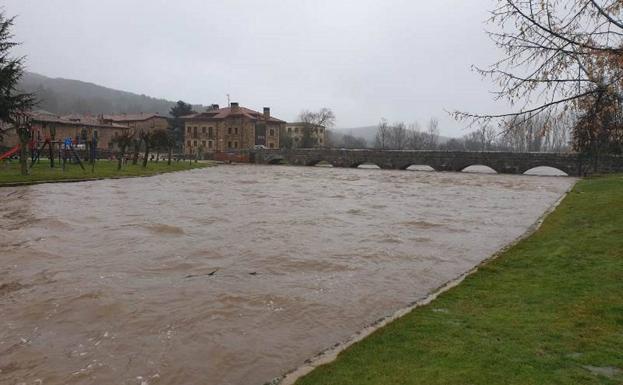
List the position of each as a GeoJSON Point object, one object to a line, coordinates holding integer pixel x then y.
{"type": "Point", "coordinates": [41, 172]}
{"type": "Point", "coordinates": [77, 158]}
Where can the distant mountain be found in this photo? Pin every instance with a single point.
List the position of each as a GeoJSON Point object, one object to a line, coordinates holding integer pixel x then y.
{"type": "Point", "coordinates": [66, 96]}
{"type": "Point", "coordinates": [367, 132]}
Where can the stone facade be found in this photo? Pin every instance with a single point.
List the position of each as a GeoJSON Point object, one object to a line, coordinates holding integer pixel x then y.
{"type": "Point", "coordinates": [233, 128]}
{"type": "Point", "coordinates": [296, 131]}
{"type": "Point", "coordinates": [501, 162]}
{"type": "Point", "coordinates": [45, 124]}
{"type": "Point", "coordinates": [139, 122]}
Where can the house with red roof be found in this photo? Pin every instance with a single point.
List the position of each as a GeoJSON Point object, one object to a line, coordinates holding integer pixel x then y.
{"type": "Point", "coordinates": [229, 129]}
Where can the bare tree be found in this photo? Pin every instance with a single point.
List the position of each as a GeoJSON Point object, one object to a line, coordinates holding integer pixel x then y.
{"type": "Point", "coordinates": [350, 141]}
{"type": "Point", "coordinates": [382, 135]}
{"type": "Point", "coordinates": [162, 141]}
{"type": "Point", "coordinates": [147, 138]}
{"type": "Point", "coordinates": [313, 121]}
{"type": "Point", "coordinates": [398, 136]}
{"type": "Point", "coordinates": [432, 134]}
{"type": "Point", "coordinates": [562, 57]}
{"type": "Point", "coordinates": [123, 141]}
{"type": "Point", "coordinates": [415, 137]}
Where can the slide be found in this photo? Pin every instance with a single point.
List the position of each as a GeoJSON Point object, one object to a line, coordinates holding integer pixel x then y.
{"type": "Point", "coordinates": [9, 153]}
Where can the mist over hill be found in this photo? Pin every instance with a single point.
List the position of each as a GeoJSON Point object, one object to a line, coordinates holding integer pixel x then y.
{"type": "Point", "coordinates": [67, 96]}
{"type": "Point", "coordinates": [369, 134]}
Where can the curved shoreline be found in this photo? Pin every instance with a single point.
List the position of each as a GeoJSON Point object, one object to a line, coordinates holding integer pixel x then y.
{"type": "Point", "coordinates": [331, 354]}
{"type": "Point", "coordinates": [92, 179]}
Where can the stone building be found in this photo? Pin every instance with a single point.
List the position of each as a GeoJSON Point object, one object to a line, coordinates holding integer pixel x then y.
{"type": "Point", "coordinates": [45, 125]}
{"type": "Point", "coordinates": [142, 121]}
{"type": "Point", "coordinates": [231, 128]}
{"type": "Point", "coordinates": [295, 132]}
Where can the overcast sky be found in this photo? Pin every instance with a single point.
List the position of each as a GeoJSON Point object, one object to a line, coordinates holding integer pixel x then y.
{"type": "Point", "coordinates": [399, 59]}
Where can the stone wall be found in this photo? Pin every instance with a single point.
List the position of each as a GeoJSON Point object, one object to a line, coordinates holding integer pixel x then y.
{"type": "Point", "coordinates": [501, 162]}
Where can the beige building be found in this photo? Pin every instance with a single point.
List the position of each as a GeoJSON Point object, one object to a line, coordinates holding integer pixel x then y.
{"type": "Point", "coordinates": [296, 132]}
{"type": "Point", "coordinates": [231, 128]}
{"type": "Point", "coordinates": [46, 126]}
{"type": "Point", "coordinates": [143, 121]}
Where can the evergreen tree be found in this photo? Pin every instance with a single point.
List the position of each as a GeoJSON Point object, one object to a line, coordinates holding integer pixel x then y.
{"type": "Point", "coordinates": [14, 105]}
{"type": "Point", "coordinates": [177, 124]}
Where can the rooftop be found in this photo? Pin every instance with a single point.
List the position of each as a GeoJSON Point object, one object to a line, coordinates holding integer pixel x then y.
{"type": "Point", "coordinates": [133, 117]}
{"type": "Point", "coordinates": [230, 112]}
{"type": "Point", "coordinates": [75, 120]}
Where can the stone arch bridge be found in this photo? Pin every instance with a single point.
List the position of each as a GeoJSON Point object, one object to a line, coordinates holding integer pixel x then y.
{"type": "Point", "coordinates": [501, 162]}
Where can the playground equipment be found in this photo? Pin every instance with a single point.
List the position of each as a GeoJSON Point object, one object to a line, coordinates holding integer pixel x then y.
{"type": "Point", "coordinates": [9, 153]}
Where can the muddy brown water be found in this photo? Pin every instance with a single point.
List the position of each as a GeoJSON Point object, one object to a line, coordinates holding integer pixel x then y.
{"type": "Point", "coordinates": [235, 274]}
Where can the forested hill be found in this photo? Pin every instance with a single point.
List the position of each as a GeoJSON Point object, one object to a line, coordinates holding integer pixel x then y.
{"type": "Point", "coordinates": [65, 96]}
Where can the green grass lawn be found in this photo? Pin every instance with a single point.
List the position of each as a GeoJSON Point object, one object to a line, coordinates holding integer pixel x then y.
{"type": "Point", "coordinates": [10, 172]}
{"type": "Point", "coordinates": [547, 311]}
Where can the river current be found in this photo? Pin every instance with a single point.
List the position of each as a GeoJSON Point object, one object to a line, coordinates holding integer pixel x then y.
{"type": "Point", "coordinates": [233, 274]}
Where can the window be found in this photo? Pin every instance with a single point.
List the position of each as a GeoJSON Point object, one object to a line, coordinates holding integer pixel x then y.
{"type": "Point", "coordinates": [210, 144]}
{"type": "Point", "coordinates": [194, 143]}
{"type": "Point", "coordinates": [203, 130]}
{"type": "Point", "coordinates": [188, 129]}
{"type": "Point", "coordinates": [296, 129]}
{"type": "Point", "coordinates": [229, 130]}
{"type": "Point", "coordinates": [235, 144]}
{"type": "Point", "coordinates": [229, 143]}
{"type": "Point", "coordinates": [320, 140]}
{"type": "Point", "coordinates": [236, 130]}
{"type": "Point", "coordinates": [203, 142]}
{"type": "Point", "coordinates": [289, 129]}
{"type": "Point", "coordinates": [195, 131]}
{"type": "Point", "coordinates": [272, 145]}
{"type": "Point", "coordinates": [210, 131]}
{"type": "Point", "coordinates": [272, 132]}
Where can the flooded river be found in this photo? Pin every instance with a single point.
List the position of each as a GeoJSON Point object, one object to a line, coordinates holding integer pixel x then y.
{"type": "Point", "coordinates": [234, 274]}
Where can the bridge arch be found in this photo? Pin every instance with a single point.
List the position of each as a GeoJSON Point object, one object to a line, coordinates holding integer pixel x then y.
{"type": "Point", "coordinates": [417, 167]}
{"type": "Point", "coordinates": [319, 163]}
{"type": "Point", "coordinates": [366, 165]}
{"type": "Point", "coordinates": [479, 168]}
{"type": "Point", "coordinates": [546, 171]}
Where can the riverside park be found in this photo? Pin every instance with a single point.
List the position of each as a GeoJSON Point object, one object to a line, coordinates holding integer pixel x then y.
{"type": "Point", "coordinates": [311, 193]}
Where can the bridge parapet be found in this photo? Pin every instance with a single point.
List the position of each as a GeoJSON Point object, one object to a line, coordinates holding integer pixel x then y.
{"type": "Point", "coordinates": [501, 162]}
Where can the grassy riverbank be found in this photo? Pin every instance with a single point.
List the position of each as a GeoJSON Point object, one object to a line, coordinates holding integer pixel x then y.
{"type": "Point", "coordinates": [42, 173]}
{"type": "Point", "coordinates": [547, 311]}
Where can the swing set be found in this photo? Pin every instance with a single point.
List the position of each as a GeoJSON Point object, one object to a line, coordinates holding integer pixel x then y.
{"type": "Point", "coordinates": [66, 149]}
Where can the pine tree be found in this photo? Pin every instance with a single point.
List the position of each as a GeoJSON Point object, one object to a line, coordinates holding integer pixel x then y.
{"type": "Point", "coordinates": [14, 105]}
{"type": "Point", "coordinates": [177, 124]}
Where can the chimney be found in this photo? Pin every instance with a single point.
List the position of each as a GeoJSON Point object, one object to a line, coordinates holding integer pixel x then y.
{"type": "Point", "coordinates": [235, 106]}
{"type": "Point", "coordinates": [266, 113]}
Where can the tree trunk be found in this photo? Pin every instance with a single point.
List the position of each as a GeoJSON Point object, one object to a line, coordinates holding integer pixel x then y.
{"type": "Point", "coordinates": [51, 145]}
{"type": "Point", "coordinates": [137, 148]}
{"type": "Point", "coordinates": [23, 158]}
{"type": "Point", "coordinates": [121, 155]}
{"type": "Point", "coordinates": [170, 153]}
{"type": "Point", "coordinates": [157, 156]}
{"type": "Point", "coordinates": [146, 155]}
